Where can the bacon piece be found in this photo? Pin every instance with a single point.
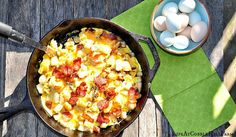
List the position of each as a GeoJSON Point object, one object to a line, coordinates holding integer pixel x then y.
{"type": "Point", "coordinates": [73, 100]}
{"type": "Point", "coordinates": [81, 89]}
{"type": "Point", "coordinates": [63, 72]}
{"type": "Point", "coordinates": [68, 72]}
{"type": "Point", "coordinates": [102, 119]}
{"type": "Point", "coordinates": [74, 94]}
{"type": "Point", "coordinates": [77, 64]}
{"type": "Point", "coordinates": [116, 109]}
{"type": "Point", "coordinates": [99, 81]}
{"type": "Point", "coordinates": [48, 104]}
{"type": "Point", "coordinates": [68, 114]}
{"type": "Point", "coordinates": [87, 117]}
{"type": "Point", "coordinates": [96, 129]}
{"type": "Point", "coordinates": [80, 46]}
{"type": "Point", "coordinates": [110, 93]}
{"type": "Point", "coordinates": [133, 93]}
{"type": "Point", "coordinates": [103, 104]}
{"type": "Point", "coordinates": [110, 36]}
{"type": "Point", "coordinates": [102, 89]}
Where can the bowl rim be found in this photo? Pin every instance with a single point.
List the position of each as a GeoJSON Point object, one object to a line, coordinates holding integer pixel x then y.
{"type": "Point", "coordinates": [177, 52]}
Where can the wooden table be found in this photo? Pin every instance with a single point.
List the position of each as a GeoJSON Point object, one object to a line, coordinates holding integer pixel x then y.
{"type": "Point", "coordinates": [36, 17]}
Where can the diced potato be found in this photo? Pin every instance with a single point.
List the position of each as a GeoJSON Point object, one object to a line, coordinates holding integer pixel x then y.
{"type": "Point", "coordinates": [83, 128]}
{"type": "Point", "coordinates": [104, 125]}
{"type": "Point", "coordinates": [61, 100]}
{"type": "Point", "coordinates": [128, 78]}
{"type": "Point", "coordinates": [132, 106]}
{"type": "Point", "coordinates": [56, 84]}
{"type": "Point", "coordinates": [88, 124]}
{"type": "Point", "coordinates": [54, 61]}
{"type": "Point", "coordinates": [111, 61]}
{"type": "Point", "coordinates": [113, 120]}
{"type": "Point", "coordinates": [94, 107]}
{"type": "Point", "coordinates": [58, 108]}
{"type": "Point", "coordinates": [82, 102]}
{"type": "Point", "coordinates": [119, 65]}
{"type": "Point", "coordinates": [49, 112]}
{"type": "Point", "coordinates": [67, 106]}
{"type": "Point", "coordinates": [126, 85]}
{"type": "Point", "coordinates": [42, 79]}
{"type": "Point", "coordinates": [87, 43]}
{"type": "Point", "coordinates": [63, 121]}
{"type": "Point", "coordinates": [112, 76]}
{"type": "Point", "coordinates": [44, 66]}
{"type": "Point", "coordinates": [53, 44]}
{"type": "Point", "coordinates": [126, 66]}
{"type": "Point", "coordinates": [104, 48]}
{"type": "Point", "coordinates": [70, 45]}
{"type": "Point", "coordinates": [40, 88]}
{"type": "Point", "coordinates": [66, 92]}
{"type": "Point", "coordinates": [80, 53]}
{"type": "Point", "coordinates": [107, 110]}
{"type": "Point", "coordinates": [124, 115]}
{"type": "Point", "coordinates": [57, 116]}
{"type": "Point", "coordinates": [62, 59]}
{"type": "Point", "coordinates": [83, 71]}
{"type": "Point", "coordinates": [124, 92]}
{"type": "Point", "coordinates": [72, 124]}
{"type": "Point", "coordinates": [56, 97]}
{"type": "Point", "coordinates": [121, 99]}
{"type": "Point", "coordinates": [139, 86]}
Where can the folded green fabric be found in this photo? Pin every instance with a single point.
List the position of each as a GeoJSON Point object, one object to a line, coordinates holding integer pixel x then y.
{"type": "Point", "coordinates": [183, 84]}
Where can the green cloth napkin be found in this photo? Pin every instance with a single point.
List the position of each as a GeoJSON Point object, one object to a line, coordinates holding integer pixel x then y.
{"type": "Point", "coordinates": [187, 87]}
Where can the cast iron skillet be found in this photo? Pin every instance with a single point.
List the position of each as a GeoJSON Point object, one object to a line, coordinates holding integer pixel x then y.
{"type": "Point", "coordinates": [60, 33]}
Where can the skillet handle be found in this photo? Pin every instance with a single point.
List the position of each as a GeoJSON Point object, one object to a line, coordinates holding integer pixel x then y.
{"type": "Point", "coordinates": [8, 112]}
{"type": "Point", "coordinates": [153, 49]}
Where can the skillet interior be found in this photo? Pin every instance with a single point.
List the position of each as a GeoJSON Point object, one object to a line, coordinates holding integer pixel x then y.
{"type": "Point", "coordinates": [59, 33]}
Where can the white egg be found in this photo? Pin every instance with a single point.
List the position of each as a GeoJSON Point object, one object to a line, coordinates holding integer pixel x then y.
{"type": "Point", "coordinates": [160, 23]}
{"type": "Point", "coordinates": [170, 7]}
{"type": "Point", "coordinates": [173, 23]}
{"type": "Point", "coordinates": [184, 20]}
{"type": "Point", "coordinates": [181, 42]}
{"type": "Point", "coordinates": [199, 31]}
{"type": "Point", "coordinates": [187, 6]}
{"type": "Point", "coordinates": [194, 18]}
{"type": "Point", "coordinates": [186, 32]}
{"type": "Point", "coordinates": [167, 38]}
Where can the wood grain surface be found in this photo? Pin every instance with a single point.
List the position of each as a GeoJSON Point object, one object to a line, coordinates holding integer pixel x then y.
{"type": "Point", "coordinates": [37, 17]}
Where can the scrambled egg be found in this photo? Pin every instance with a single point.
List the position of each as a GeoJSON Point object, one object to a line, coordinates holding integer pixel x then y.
{"type": "Point", "coordinates": [90, 84]}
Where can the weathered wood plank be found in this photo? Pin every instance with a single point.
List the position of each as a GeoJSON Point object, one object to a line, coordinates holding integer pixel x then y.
{"type": "Point", "coordinates": [26, 122]}
{"type": "Point", "coordinates": [115, 7]}
{"type": "Point", "coordinates": [89, 8]}
{"type": "Point", "coordinates": [24, 16]}
{"type": "Point", "coordinates": [132, 130]}
{"type": "Point", "coordinates": [212, 47]}
{"type": "Point", "coordinates": [3, 18]}
{"type": "Point", "coordinates": [163, 127]}
{"type": "Point", "coordinates": [147, 118]}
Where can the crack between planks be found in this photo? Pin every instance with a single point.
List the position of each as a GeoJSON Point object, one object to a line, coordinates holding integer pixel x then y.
{"type": "Point", "coordinates": [106, 9]}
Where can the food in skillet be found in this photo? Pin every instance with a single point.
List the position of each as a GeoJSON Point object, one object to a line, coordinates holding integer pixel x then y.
{"type": "Point", "coordinates": [91, 82]}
